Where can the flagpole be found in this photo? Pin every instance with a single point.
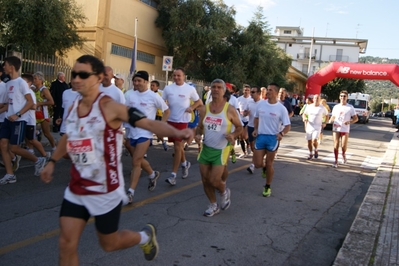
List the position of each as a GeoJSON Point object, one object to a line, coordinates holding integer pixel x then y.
{"type": "Point", "coordinates": [134, 53]}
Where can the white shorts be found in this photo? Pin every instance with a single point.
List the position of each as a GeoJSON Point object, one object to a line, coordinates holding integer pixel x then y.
{"type": "Point", "coordinates": [312, 135]}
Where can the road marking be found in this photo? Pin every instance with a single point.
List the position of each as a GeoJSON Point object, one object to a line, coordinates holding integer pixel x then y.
{"type": "Point", "coordinates": [53, 233]}
{"type": "Point", "coordinates": [371, 162]}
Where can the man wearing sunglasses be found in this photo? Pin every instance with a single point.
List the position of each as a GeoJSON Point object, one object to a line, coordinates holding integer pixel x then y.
{"type": "Point", "coordinates": [343, 114]}
{"type": "Point", "coordinates": [93, 140]}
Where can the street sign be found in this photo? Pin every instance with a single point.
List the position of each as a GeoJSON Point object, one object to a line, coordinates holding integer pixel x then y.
{"type": "Point", "coordinates": [167, 63]}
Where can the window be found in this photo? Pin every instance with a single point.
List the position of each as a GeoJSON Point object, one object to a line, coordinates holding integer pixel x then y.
{"type": "Point", "coordinates": [127, 52]}
{"type": "Point", "coordinates": [150, 3]}
{"type": "Point", "coordinates": [287, 32]}
{"type": "Point", "coordinates": [148, 58]}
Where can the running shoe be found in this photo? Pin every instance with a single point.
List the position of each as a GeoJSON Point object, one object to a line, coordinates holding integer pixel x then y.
{"type": "Point", "coordinates": [225, 199]}
{"type": "Point", "coordinates": [267, 192]}
{"type": "Point", "coordinates": [244, 155]}
{"type": "Point", "coordinates": [185, 146]}
{"type": "Point", "coordinates": [310, 157]}
{"type": "Point", "coordinates": [48, 155]}
{"type": "Point", "coordinates": [233, 158]}
{"type": "Point", "coordinates": [249, 150]}
{"type": "Point", "coordinates": [130, 197]}
{"type": "Point", "coordinates": [39, 165]}
{"type": "Point", "coordinates": [150, 248]}
{"type": "Point", "coordinates": [8, 179]}
{"type": "Point", "coordinates": [251, 169]}
{"type": "Point", "coordinates": [153, 181]}
{"type": "Point", "coordinates": [344, 161]}
{"type": "Point", "coordinates": [184, 170]}
{"type": "Point", "coordinates": [335, 165]}
{"type": "Point", "coordinates": [165, 146]}
{"type": "Point", "coordinates": [316, 154]}
{"type": "Point", "coordinates": [264, 172]}
{"type": "Point", "coordinates": [212, 210]}
{"type": "Point", "coordinates": [15, 163]}
{"type": "Point", "coordinates": [171, 180]}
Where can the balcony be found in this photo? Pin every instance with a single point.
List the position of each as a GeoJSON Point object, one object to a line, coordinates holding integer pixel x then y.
{"type": "Point", "coordinates": [305, 56]}
{"type": "Point", "coordinates": [338, 58]}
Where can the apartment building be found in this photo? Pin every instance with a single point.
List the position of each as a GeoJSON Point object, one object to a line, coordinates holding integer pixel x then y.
{"type": "Point", "coordinates": [317, 52]}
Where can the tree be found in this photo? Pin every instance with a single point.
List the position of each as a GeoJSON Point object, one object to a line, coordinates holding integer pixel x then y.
{"type": "Point", "coordinates": [41, 26]}
{"type": "Point", "coordinates": [203, 38]}
{"type": "Point", "coordinates": [332, 88]}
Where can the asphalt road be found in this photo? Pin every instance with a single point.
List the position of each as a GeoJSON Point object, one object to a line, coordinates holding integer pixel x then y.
{"type": "Point", "coordinates": [303, 223]}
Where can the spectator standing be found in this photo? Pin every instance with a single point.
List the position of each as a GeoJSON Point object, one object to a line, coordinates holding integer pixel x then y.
{"type": "Point", "coordinates": [57, 88]}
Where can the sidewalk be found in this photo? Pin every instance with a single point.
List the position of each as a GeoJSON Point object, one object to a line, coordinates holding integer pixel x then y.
{"type": "Point", "coordinates": [373, 237]}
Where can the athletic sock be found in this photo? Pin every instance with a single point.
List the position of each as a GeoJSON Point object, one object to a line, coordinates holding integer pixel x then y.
{"type": "Point", "coordinates": [336, 154]}
{"type": "Point", "coordinates": [174, 174]}
{"type": "Point", "coordinates": [242, 143]}
{"type": "Point", "coordinates": [152, 175]}
{"type": "Point", "coordinates": [144, 238]}
{"type": "Point", "coordinates": [131, 190]}
{"type": "Point", "coordinates": [184, 164]}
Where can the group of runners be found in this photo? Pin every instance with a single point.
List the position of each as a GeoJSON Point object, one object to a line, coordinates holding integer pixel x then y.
{"type": "Point", "coordinates": [92, 137]}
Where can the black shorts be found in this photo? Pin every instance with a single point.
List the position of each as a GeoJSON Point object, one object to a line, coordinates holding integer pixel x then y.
{"type": "Point", "coordinates": [244, 124]}
{"type": "Point", "coordinates": [250, 131]}
{"type": "Point", "coordinates": [30, 132]}
{"type": "Point", "coordinates": [105, 224]}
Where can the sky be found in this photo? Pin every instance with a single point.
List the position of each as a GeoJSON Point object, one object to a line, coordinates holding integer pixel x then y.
{"type": "Point", "coordinates": [373, 20]}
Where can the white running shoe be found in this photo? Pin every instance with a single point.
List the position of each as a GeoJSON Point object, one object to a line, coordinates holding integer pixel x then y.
{"type": "Point", "coordinates": [171, 180]}
{"type": "Point", "coordinates": [212, 210]}
{"type": "Point", "coordinates": [8, 179]}
{"type": "Point", "coordinates": [184, 170]}
{"type": "Point", "coordinates": [225, 200]}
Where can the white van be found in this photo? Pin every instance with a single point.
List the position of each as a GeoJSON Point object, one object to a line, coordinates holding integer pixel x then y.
{"type": "Point", "coordinates": [360, 102]}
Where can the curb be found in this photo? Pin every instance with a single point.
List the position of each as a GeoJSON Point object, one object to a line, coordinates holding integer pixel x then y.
{"type": "Point", "coordinates": [362, 244]}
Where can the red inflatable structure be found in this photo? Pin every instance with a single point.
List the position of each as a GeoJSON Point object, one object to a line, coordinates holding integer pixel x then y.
{"type": "Point", "coordinates": [354, 71]}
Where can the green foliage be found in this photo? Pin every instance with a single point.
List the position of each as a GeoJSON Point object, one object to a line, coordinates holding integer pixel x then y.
{"type": "Point", "coordinates": [42, 26]}
{"type": "Point", "coordinates": [332, 88]}
{"type": "Point", "coordinates": [204, 39]}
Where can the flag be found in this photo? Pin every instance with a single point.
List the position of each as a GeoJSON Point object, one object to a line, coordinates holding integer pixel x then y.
{"type": "Point", "coordinates": [134, 53]}
{"type": "Point", "coordinates": [134, 57]}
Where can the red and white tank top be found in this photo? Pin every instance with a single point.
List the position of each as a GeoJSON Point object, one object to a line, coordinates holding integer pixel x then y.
{"type": "Point", "coordinates": [95, 149]}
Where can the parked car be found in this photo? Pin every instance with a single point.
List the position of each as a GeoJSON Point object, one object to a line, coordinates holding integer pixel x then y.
{"type": "Point", "coordinates": [388, 113]}
{"type": "Point", "coordinates": [331, 105]}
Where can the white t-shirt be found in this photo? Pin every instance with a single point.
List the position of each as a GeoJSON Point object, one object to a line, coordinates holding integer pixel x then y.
{"type": "Point", "coordinates": [32, 113]}
{"type": "Point", "coordinates": [252, 105]}
{"type": "Point", "coordinates": [147, 102]}
{"type": "Point", "coordinates": [114, 92]}
{"type": "Point", "coordinates": [315, 117]}
{"type": "Point", "coordinates": [17, 89]}
{"type": "Point", "coordinates": [271, 116]}
{"type": "Point", "coordinates": [178, 98]}
{"type": "Point", "coordinates": [233, 101]}
{"type": "Point", "coordinates": [68, 97]}
{"type": "Point", "coordinates": [3, 99]}
{"type": "Point", "coordinates": [342, 113]}
{"type": "Point", "coordinates": [243, 105]}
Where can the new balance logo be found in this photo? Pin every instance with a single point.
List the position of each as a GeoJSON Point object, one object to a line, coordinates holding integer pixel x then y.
{"type": "Point", "coordinates": [343, 70]}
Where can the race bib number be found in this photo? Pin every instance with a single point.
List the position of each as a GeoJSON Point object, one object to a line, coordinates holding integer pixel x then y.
{"type": "Point", "coordinates": [213, 123]}
{"type": "Point", "coordinates": [81, 151]}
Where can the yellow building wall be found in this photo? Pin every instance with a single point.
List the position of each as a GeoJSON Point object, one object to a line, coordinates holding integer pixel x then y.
{"type": "Point", "coordinates": [112, 22]}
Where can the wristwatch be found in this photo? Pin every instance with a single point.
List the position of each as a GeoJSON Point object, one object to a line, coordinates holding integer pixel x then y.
{"type": "Point", "coordinates": [18, 114]}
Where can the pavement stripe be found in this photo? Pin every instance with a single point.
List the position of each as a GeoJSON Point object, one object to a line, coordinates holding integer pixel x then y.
{"type": "Point", "coordinates": [53, 233]}
{"type": "Point", "coordinates": [371, 162]}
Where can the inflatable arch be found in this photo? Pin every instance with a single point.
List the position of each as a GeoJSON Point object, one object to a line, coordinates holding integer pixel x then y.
{"type": "Point", "coordinates": [351, 70]}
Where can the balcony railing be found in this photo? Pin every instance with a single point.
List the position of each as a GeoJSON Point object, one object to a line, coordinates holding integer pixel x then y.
{"type": "Point", "coordinates": [305, 56]}
{"type": "Point", "coordinates": [339, 58]}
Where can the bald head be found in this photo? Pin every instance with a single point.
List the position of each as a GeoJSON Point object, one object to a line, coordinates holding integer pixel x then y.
{"type": "Point", "coordinates": [108, 76]}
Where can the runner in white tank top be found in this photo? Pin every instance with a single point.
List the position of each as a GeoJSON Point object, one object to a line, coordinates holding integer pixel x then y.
{"type": "Point", "coordinates": [216, 121]}
{"type": "Point", "coordinates": [94, 140]}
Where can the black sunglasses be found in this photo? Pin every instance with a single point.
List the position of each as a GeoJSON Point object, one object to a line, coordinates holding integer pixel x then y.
{"type": "Point", "coordinates": [82, 75]}
{"type": "Point", "coordinates": [253, 91]}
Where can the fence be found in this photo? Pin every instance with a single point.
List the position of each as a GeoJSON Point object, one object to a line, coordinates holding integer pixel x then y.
{"type": "Point", "coordinates": [49, 65]}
